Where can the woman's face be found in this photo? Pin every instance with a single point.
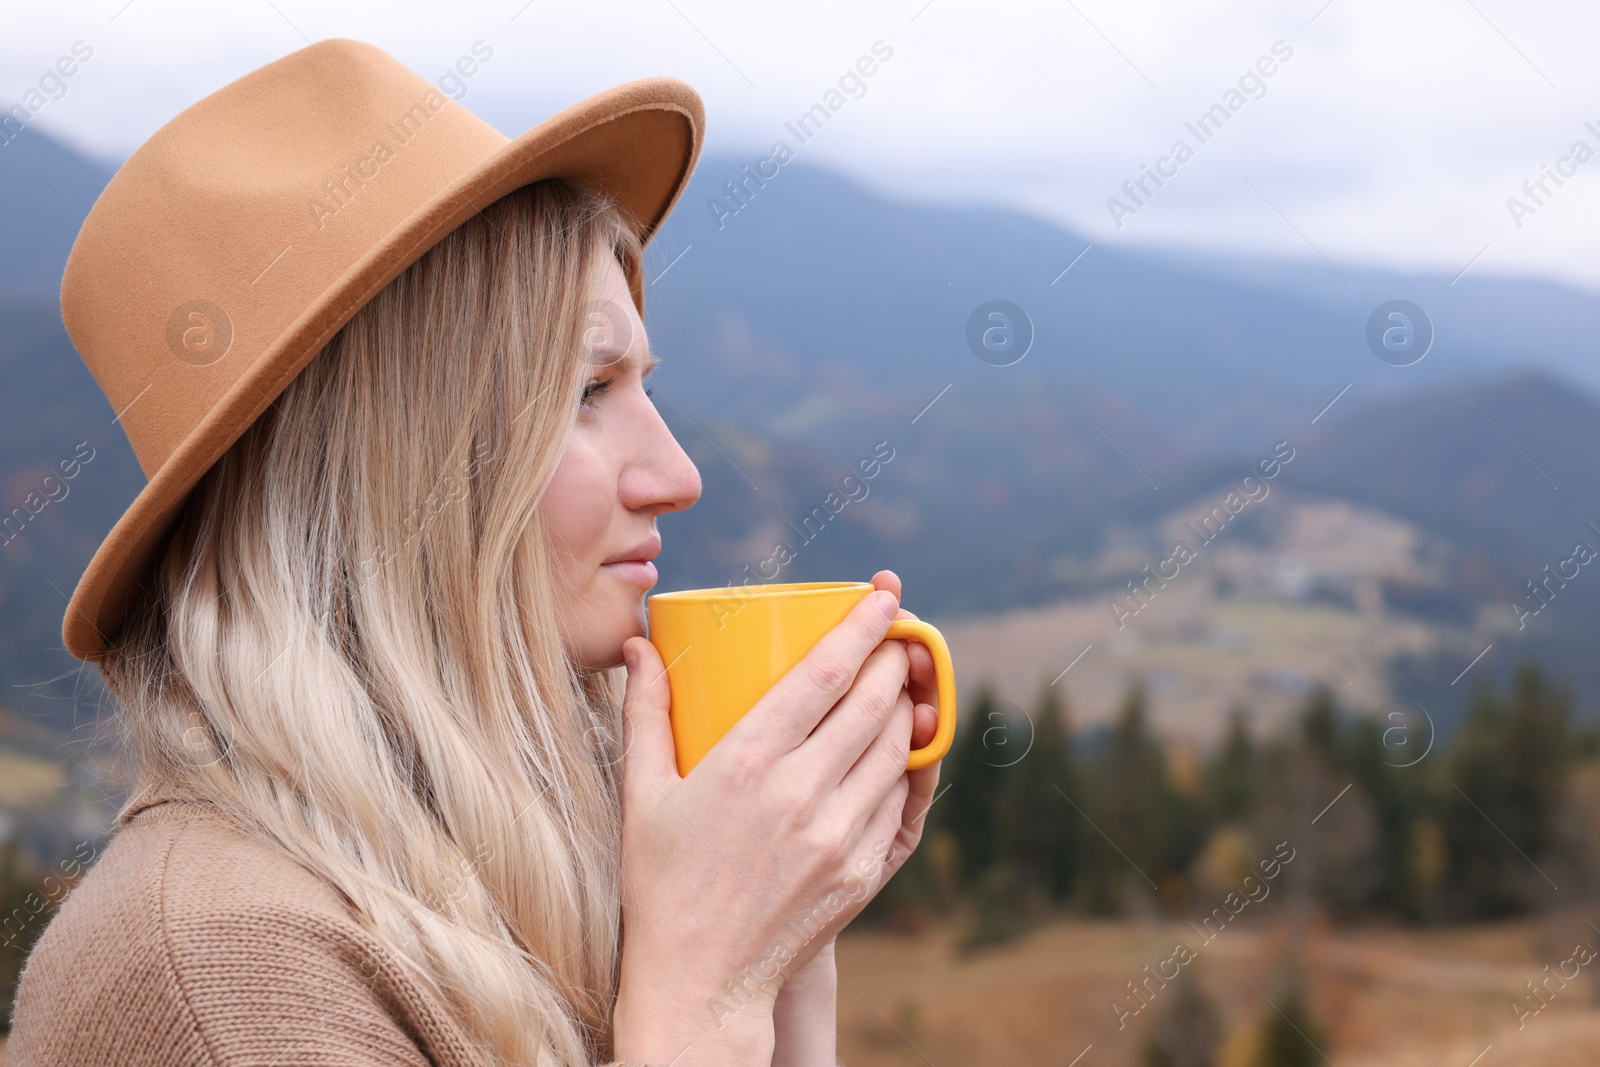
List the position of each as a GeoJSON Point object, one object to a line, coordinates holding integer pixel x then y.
{"type": "Point", "coordinates": [622, 467]}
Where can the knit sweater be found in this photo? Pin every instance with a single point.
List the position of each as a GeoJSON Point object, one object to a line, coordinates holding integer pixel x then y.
{"type": "Point", "coordinates": [191, 944]}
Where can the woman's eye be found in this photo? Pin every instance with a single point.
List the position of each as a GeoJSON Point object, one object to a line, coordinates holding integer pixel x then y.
{"type": "Point", "coordinates": [599, 388]}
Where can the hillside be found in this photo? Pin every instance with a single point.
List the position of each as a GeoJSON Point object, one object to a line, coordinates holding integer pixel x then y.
{"type": "Point", "coordinates": [826, 319]}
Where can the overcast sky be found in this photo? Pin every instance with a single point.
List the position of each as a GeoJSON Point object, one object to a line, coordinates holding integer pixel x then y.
{"type": "Point", "coordinates": [1391, 135]}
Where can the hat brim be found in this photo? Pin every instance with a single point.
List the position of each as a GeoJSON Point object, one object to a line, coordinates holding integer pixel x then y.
{"type": "Point", "coordinates": [638, 141]}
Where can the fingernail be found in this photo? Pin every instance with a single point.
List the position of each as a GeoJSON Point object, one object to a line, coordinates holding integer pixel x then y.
{"type": "Point", "coordinates": [630, 656]}
{"type": "Point", "coordinates": [886, 603]}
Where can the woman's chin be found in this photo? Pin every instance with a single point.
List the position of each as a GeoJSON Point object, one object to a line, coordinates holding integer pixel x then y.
{"type": "Point", "coordinates": [603, 651]}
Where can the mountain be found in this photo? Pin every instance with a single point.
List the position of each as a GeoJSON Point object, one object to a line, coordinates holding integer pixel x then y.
{"type": "Point", "coordinates": [1519, 479]}
{"type": "Point", "coordinates": [815, 269]}
{"type": "Point", "coordinates": [1507, 473]}
{"type": "Point", "coordinates": [826, 321]}
{"type": "Point", "coordinates": [47, 188]}
{"type": "Point", "coordinates": [1508, 320]}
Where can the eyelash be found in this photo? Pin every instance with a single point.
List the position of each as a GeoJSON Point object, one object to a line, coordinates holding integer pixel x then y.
{"type": "Point", "coordinates": [599, 387]}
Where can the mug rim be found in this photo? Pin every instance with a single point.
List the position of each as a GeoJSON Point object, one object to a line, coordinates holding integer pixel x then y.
{"type": "Point", "coordinates": [766, 590]}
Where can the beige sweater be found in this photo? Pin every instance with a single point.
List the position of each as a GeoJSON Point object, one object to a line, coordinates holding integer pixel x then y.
{"type": "Point", "coordinates": [191, 943]}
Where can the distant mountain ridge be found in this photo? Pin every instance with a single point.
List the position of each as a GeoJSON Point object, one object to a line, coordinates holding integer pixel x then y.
{"type": "Point", "coordinates": [47, 188]}
{"type": "Point", "coordinates": [1520, 478]}
{"type": "Point", "coordinates": [828, 316]}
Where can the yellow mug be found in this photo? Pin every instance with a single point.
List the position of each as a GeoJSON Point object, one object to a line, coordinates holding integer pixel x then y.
{"type": "Point", "coordinates": [724, 648]}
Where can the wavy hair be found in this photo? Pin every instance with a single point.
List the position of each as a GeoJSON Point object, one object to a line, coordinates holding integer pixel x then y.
{"type": "Point", "coordinates": [351, 644]}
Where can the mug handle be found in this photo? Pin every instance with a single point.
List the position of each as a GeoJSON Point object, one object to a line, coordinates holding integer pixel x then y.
{"type": "Point", "coordinates": [924, 633]}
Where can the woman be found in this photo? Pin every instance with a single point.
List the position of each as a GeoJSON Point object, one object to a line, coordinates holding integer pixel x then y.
{"type": "Point", "coordinates": [393, 808]}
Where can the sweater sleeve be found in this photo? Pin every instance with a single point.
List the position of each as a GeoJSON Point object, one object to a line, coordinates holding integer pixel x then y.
{"type": "Point", "coordinates": [189, 945]}
{"type": "Point", "coordinates": [288, 987]}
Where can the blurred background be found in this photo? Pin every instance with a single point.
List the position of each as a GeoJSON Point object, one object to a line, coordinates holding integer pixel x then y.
{"type": "Point", "coordinates": [1229, 370]}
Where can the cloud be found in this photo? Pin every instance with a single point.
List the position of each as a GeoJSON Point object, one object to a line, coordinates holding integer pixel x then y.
{"type": "Point", "coordinates": [1393, 138]}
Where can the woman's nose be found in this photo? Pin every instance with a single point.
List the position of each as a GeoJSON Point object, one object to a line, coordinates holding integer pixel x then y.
{"type": "Point", "coordinates": [665, 476]}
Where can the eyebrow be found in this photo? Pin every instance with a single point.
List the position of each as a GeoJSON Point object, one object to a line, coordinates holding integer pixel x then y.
{"type": "Point", "coordinates": [650, 363]}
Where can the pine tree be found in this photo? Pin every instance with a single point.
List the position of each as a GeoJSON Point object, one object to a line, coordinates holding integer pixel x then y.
{"type": "Point", "coordinates": [1397, 799]}
{"type": "Point", "coordinates": [976, 775]}
{"type": "Point", "coordinates": [1478, 786]}
{"type": "Point", "coordinates": [1319, 724]}
{"type": "Point", "coordinates": [1134, 804]}
{"type": "Point", "coordinates": [1040, 832]}
{"type": "Point", "coordinates": [1231, 779]}
{"type": "Point", "coordinates": [1507, 778]}
{"type": "Point", "coordinates": [1538, 751]}
{"type": "Point", "coordinates": [1305, 795]}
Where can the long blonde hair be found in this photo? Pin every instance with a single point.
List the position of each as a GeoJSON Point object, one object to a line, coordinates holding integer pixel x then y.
{"type": "Point", "coordinates": [351, 644]}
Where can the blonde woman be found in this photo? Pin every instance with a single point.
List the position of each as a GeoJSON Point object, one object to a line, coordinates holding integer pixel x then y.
{"type": "Point", "coordinates": [396, 804]}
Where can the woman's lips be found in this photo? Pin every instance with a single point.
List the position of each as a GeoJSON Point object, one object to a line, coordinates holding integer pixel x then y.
{"type": "Point", "coordinates": [640, 572]}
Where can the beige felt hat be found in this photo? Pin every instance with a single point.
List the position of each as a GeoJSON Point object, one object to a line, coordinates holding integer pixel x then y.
{"type": "Point", "coordinates": [229, 249]}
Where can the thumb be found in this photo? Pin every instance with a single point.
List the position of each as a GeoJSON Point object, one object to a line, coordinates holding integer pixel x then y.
{"type": "Point", "coordinates": [648, 751]}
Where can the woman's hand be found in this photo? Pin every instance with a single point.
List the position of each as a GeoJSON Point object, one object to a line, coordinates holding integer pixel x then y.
{"type": "Point", "coordinates": [805, 1015]}
{"type": "Point", "coordinates": [735, 876]}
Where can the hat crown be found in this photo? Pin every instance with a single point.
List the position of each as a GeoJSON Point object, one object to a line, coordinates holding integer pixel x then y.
{"type": "Point", "coordinates": [233, 218]}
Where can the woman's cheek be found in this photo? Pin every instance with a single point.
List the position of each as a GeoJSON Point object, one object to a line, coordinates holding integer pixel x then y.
{"type": "Point", "coordinates": [570, 504]}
